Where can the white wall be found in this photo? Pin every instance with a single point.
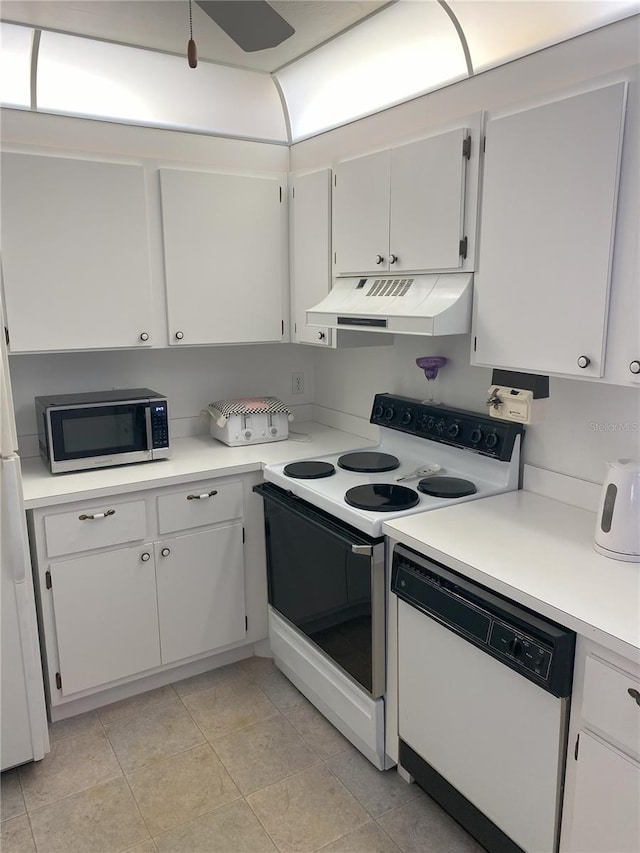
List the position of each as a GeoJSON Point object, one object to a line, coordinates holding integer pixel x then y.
{"type": "Point", "coordinates": [190, 377]}
{"type": "Point", "coordinates": [587, 422]}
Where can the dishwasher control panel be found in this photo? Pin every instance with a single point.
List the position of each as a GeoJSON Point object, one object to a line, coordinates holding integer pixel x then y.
{"type": "Point", "coordinates": [539, 649]}
{"type": "Point", "coordinates": [522, 649]}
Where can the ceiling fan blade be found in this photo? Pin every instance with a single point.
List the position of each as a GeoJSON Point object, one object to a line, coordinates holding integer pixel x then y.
{"type": "Point", "coordinates": [252, 24]}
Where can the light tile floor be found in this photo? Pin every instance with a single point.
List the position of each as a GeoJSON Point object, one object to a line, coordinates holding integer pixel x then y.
{"type": "Point", "coordinates": [232, 760]}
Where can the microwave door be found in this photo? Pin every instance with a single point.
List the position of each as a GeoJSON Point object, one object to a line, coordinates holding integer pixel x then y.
{"type": "Point", "coordinates": [101, 435]}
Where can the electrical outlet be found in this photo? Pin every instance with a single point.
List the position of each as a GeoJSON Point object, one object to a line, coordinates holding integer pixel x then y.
{"type": "Point", "coordinates": [297, 383]}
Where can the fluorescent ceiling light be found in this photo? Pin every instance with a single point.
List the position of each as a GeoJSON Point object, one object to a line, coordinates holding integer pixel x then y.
{"type": "Point", "coordinates": [403, 51]}
{"type": "Point", "coordinates": [15, 65]}
{"type": "Point", "coordinates": [80, 76]}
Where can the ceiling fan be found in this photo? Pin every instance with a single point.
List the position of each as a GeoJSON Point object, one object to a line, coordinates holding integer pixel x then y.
{"type": "Point", "coordinates": [252, 24]}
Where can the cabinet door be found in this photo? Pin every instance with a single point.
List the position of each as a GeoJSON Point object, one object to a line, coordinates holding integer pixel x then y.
{"type": "Point", "coordinates": [361, 214]}
{"type": "Point", "coordinates": [201, 603]}
{"type": "Point", "coordinates": [606, 817]}
{"type": "Point", "coordinates": [224, 248]}
{"type": "Point", "coordinates": [106, 617]}
{"type": "Point", "coordinates": [75, 254]}
{"type": "Point", "coordinates": [427, 203]}
{"type": "Point", "coordinates": [310, 218]}
{"type": "Point", "coordinates": [547, 225]}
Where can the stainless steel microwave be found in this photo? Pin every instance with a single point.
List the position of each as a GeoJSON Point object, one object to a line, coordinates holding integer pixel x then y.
{"type": "Point", "coordinates": [99, 429]}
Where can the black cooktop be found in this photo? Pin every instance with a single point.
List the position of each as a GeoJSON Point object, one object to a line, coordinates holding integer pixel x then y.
{"type": "Point", "coordinates": [381, 497]}
{"type": "Point", "coordinates": [368, 462]}
{"type": "Point", "coordinates": [312, 470]}
{"type": "Point", "coordinates": [447, 487]}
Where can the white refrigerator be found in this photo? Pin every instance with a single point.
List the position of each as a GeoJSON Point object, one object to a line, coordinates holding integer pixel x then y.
{"type": "Point", "coordinates": [24, 732]}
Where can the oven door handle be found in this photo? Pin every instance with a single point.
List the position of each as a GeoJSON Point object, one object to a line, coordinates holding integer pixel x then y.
{"type": "Point", "coordinates": [358, 543]}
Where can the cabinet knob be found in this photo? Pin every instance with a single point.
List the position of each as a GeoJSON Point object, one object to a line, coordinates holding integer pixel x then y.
{"type": "Point", "coordinates": [144, 336]}
{"type": "Point", "coordinates": [321, 336]}
{"type": "Point", "coordinates": [635, 694]}
{"type": "Point", "coordinates": [584, 361]}
{"type": "Point", "coordinates": [165, 552]}
{"type": "Point", "coordinates": [634, 367]}
{"type": "Point", "coordinates": [393, 259]}
{"type": "Point", "coordinates": [379, 259]}
{"type": "Point", "coordinates": [179, 336]}
{"type": "Point", "coordinates": [145, 557]}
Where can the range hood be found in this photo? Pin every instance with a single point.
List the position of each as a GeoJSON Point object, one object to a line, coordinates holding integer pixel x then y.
{"type": "Point", "coordinates": [438, 304]}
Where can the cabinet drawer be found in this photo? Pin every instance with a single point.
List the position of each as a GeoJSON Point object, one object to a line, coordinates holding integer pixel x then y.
{"type": "Point", "coordinates": [609, 706]}
{"type": "Point", "coordinates": [201, 504]}
{"type": "Point", "coordinates": [96, 526]}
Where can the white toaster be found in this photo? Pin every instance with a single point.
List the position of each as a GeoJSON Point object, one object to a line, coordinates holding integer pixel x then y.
{"type": "Point", "coordinates": [249, 420]}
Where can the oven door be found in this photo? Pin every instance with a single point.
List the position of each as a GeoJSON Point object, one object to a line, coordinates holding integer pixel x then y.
{"type": "Point", "coordinates": [327, 579]}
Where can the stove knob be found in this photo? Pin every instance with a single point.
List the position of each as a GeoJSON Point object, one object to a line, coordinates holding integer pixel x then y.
{"type": "Point", "coordinates": [440, 426]}
{"type": "Point", "coordinates": [491, 440]}
{"type": "Point", "coordinates": [430, 422]}
{"type": "Point", "coordinates": [454, 429]}
{"type": "Point", "coordinates": [476, 436]}
{"type": "Point", "coordinates": [377, 412]}
{"type": "Point", "coordinates": [406, 417]}
{"type": "Point", "coordinates": [389, 413]}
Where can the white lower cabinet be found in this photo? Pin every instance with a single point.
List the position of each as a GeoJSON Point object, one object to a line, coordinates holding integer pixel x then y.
{"type": "Point", "coordinates": [106, 617]}
{"type": "Point", "coordinates": [602, 801]}
{"type": "Point", "coordinates": [606, 805]}
{"type": "Point", "coordinates": [200, 582]}
{"type": "Point", "coordinates": [123, 600]}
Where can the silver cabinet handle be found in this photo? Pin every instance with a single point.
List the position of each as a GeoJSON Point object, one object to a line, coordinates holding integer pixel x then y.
{"type": "Point", "coordinates": [393, 259]}
{"type": "Point", "coordinates": [366, 550]}
{"type": "Point", "coordinates": [179, 336]}
{"type": "Point", "coordinates": [635, 694]}
{"type": "Point", "coordinates": [634, 367]}
{"type": "Point", "coordinates": [165, 552]}
{"type": "Point", "coordinates": [144, 336]}
{"type": "Point", "coordinates": [145, 557]}
{"type": "Point", "coordinates": [95, 515]}
{"type": "Point", "coordinates": [202, 497]}
{"type": "Point", "coordinates": [584, 361]}
{"type": "Point", "coordinates": [379, 259]}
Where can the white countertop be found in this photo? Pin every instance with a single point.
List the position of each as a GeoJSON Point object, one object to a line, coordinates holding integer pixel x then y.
{"type": "Point", "coordinates": [538, 552]}
{"type": "Point", "coordinates": [196, 458]}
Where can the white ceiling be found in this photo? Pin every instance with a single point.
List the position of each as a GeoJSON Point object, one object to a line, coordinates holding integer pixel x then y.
{"type": "Point", "coordinates": [164, 25]}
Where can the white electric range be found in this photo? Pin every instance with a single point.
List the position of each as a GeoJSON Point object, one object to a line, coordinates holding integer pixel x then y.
{"type": "Point", "coordinates": [326, 553]}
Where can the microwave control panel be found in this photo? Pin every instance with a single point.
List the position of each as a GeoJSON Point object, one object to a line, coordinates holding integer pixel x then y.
{"type": "Point", "coordinates": [159, 425]}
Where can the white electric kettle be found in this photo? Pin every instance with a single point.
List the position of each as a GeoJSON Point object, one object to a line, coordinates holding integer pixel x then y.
{"type": "Point", "coordinates": [618, 523]}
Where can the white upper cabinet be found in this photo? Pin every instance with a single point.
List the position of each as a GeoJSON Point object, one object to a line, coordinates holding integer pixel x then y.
{"type": "Point", "coordinates": [310, 244]}
{"type": "Point", "coordinates": [225, 257]}
{"type": "Point", "coordinates": [75, 254]}
{"type": "Point", "coordinates": [427, 203]}
{"type": "Point", "coordinates": [547, 226]}
{"type": "Point", "coordinates": [361, 196]}
{"type": "Point", "coordinates": [403, 208]}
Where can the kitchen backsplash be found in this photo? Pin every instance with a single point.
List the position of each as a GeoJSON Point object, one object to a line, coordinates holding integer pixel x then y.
{"type": "Point", "coordinates": [191, 379]}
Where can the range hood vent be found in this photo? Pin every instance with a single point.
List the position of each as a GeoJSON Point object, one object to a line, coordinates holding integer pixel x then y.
{"type": "Point", "coordinates": [438, 304]}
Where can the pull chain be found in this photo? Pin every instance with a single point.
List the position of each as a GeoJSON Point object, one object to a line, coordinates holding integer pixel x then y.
{"type": "Point", "coordinates": [192, 51]}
